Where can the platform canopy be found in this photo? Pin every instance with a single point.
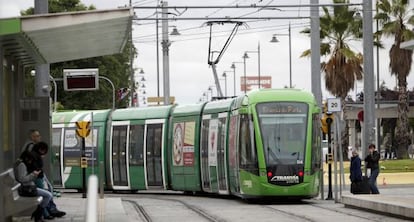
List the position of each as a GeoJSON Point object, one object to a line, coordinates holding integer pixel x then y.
{"type": "Point", "coordinates": [59, 37]}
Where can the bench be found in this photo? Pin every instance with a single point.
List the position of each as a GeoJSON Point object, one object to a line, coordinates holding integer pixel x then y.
{"type": "Point", "coordinates": [14, 204]}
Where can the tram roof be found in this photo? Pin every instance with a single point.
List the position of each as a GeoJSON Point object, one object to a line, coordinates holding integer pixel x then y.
{"type": "Point", "coordinates": [218, 106]}
{"type": "Point", "coordinates": [84, 115]}
{"type": "Point", "coordinates": [188, 109]}
{"type": "Point", "coordinates": [265, 95]}
{"type": "Point", "coordinates": [151, 112]}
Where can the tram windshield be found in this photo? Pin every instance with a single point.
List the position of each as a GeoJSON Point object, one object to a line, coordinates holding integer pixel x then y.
{"type": "Point", "coordinates": [283, 131]}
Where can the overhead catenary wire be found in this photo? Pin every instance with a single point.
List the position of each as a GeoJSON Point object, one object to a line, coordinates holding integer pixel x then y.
{"type": "Point", "coordinates": [247, 6]}
{"type": "Point", "coordinates": [150, 39]}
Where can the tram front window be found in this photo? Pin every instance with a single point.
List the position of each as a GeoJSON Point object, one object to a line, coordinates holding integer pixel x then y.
{"type": "Point", "coordinates": [283, 131]}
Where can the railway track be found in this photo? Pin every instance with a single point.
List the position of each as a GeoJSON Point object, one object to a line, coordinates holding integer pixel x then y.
{"type": "Point", "coordinates": [148, 216]}
{"type": "Point", "coordinates": [162, 207]}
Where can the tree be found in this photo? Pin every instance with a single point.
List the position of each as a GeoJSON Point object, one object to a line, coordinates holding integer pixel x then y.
{"type": "Point", "coordinates": [115, 67]}
{"type": "Point", "coordinates": [394, 17]}
{"type": "Point", "coordinates": [343, 66]}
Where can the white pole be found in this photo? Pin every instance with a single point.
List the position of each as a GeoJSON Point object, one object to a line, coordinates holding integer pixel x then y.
{"type": "Point", "coordinates": [92, 201]}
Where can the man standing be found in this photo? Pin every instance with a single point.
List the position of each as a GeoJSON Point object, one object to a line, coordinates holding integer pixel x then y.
{"type": "Point", "coordinates": [372, 163]}
{"type": "Point", "coordinates": [34, 137]}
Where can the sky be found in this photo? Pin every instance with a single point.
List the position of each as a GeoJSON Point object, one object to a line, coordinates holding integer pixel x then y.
{"type": "Point", "coordinates": [190, 74]}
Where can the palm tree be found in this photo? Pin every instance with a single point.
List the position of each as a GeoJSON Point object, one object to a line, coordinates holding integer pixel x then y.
{"type": "Point", "coordinates": [394, 16]}
{"type": "Point", "coordinates": [343, 66]}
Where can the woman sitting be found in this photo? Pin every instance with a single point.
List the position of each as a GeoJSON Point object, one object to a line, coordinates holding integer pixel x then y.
{"type": "Point", "coordinates": [27, 177]}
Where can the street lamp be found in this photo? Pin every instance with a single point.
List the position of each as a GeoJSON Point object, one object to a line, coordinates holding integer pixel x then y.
{"type": "Point", "coordinates": [135, 94]}
{"type": "Point", "coordinates": [233, 66]}
{"type": "Point", "coordinates": [113, 89]}
{"type": "Point", "coordinates": [245, 56]}
{"type": "Point", "coordinates": [274, 39]}
{"type": "Point", "coordinates": [234, 78]}
{"type": "Point", "coordinates": [206, 95]}
{"type": "Point", "coordinates": [258, 60]}
{"type": "Point", "coordinates": [33, 73]}
{"type": "Point", "coordinates": [210, 88]}
{"type": "Point", "coordinates": [225, 83]}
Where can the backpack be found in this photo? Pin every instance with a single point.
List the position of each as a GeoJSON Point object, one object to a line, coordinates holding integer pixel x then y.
{"type": "Point", "coordinates": [28, 147]}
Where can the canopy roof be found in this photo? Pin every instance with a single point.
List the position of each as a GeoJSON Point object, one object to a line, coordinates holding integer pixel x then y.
{"type": "Point", "coordinates": [58, 37]}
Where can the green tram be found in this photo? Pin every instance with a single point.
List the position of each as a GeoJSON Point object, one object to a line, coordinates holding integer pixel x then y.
{"type": "Point", "coordinates": [263, 144]}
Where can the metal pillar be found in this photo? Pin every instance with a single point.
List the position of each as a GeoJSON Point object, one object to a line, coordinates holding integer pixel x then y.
{"type": "Point", "coordinates": [244, 82]}
{"type": "Point", "coordinates": [258, 61]}
{"type": "Point", "coordinates": [315, 54]}
{"type": "Point", "coordinates": [369, 97]}
{"type": "Point", "coordinates": [42, 83]}
{"type": "Point", "coordinates": [165, 53]}
{"type": "Point", "coordinates": [42, 70]}
{"type": "Point", "coordinates": [158, 57]}
{"type": "Point", "coordinates": [290, 58]}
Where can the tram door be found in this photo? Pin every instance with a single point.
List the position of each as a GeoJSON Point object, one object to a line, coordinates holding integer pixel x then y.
{"type": "Point", "coordinates": [153, 155]}
{"type": "Point", "coordinates": [221, 158]}
{"type": "Point", "coordinates": [205, 176]}
{"type": "Point", "coordinates": [55, 160]}
{"type": "Point", "coordinates": [119, 156]}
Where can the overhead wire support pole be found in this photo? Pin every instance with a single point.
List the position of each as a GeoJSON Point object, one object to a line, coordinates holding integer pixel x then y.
{"type": "Point", "coordinates": [131, 66]}
{"type": "Point", "coordinates": [158, 55]}
{"type": "Point", "coordinates": [165, 53]}
{"type": "Point", "coordinates": [369, 97]}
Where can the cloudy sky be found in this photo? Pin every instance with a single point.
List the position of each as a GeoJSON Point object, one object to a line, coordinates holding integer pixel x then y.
{"type": "Point", "coordinates": [191, 76]}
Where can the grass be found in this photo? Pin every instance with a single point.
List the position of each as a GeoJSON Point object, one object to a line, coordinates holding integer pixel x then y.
{"type": "Point", "coordinates": [396, 166]}
{"type": "Point", "coordinates": [387, 166]}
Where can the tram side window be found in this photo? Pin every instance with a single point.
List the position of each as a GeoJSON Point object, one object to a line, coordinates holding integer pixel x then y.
{"type": "Point", "coordinates": [248, 155]}
{"type": "Point", "coordinates": [316, 143]}
{"type": "Point", "coordinates": [136, 145]}
{"type": "Point", "coordinates": [221, 135]}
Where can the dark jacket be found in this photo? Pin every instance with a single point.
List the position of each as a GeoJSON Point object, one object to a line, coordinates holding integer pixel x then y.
{"type": "Point", "coordinates": [355, 169]}
{"type": "Point", "coordinates": [22, 169]}
{"type": "Point", "coordinates": [372, 160]}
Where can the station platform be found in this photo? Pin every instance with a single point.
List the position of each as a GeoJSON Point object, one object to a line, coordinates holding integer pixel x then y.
{"type": "Point", "coordinates": [396, 196]}
{"type": "Point", "coordinates": [396, 199]}
{"type": "Point", "coordinates": [109, 209]}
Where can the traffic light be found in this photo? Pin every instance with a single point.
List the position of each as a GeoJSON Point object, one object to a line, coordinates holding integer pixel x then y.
{"type": "Point", "coordinates": [327, 119]}
{"type": "Point", "coordinates": [83, 129]}
{"type": "Point", "coordinates": [324, 125]}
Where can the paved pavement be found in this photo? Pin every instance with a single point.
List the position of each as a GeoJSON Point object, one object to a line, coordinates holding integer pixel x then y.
{"type": "Point", "coordinates": [396, 198]}
{"type": "Point", "coordinates": [109, 209]}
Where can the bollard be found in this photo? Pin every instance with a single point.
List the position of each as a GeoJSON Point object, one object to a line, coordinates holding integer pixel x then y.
{"type": "Point", "coordinates": [92, 201]}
